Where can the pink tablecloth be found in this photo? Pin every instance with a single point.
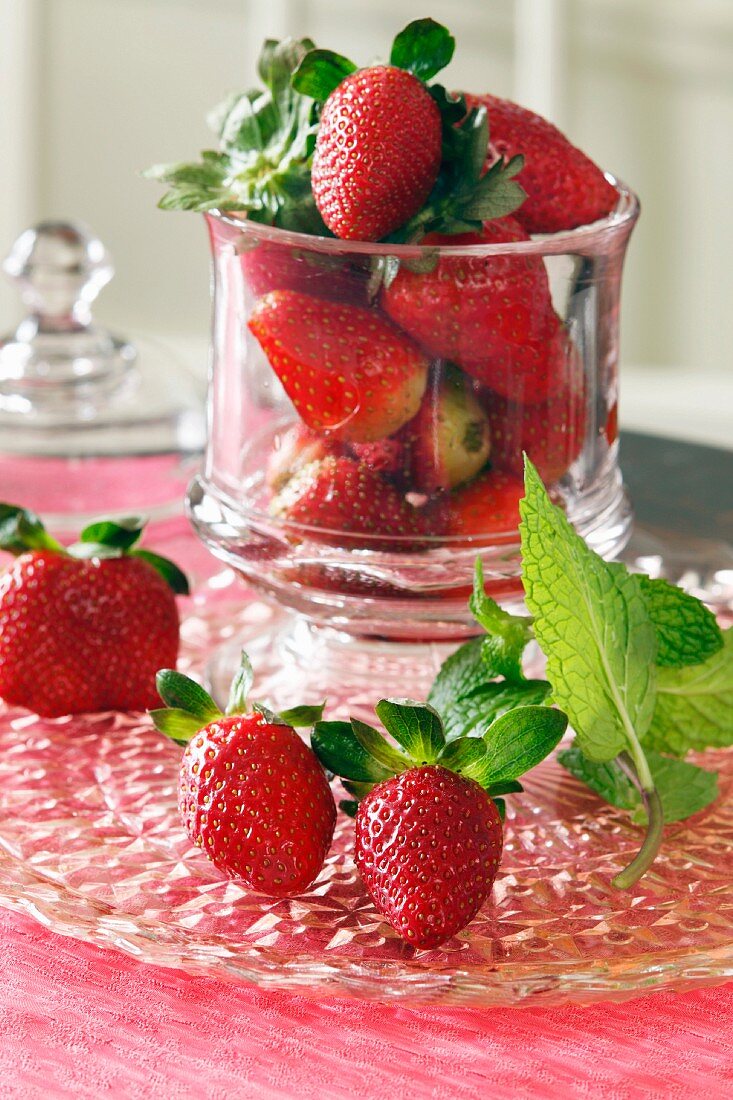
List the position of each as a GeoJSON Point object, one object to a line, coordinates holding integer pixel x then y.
{"type": "Point", "coordinates": [79, 1021]}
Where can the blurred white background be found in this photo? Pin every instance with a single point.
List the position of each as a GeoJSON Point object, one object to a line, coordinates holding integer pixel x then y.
{"type": "Point", "coordinates": [94, 90]}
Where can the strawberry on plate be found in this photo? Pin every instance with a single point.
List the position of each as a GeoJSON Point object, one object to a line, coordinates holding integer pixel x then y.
{"type": "Point", "coordinates": [251, 794]}
{"type": "Point", "coordinates": [429, 831]}
{"type": "Point", "coordinates": [564, 187]}
{"type": "Point", "coordinates": [84, 628]}
{"type": "Point", "coordinates": [347, 370]}
{"type": "Point", "coordinates": [491, 315]}
{"type": "Point", "coordinates": [341, 501]}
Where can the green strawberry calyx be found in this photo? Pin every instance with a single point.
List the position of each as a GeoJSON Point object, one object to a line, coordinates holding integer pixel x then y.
{"type": "Point", "coordinates": [363, 757]}
{"type": "Point", "coordinates": [262, 163]}
{"type": "Point", "coordinates": [22, 531]}
{"type": "Point", "coordinates": [189, 708]}
{"type": "Point", "coordinates": [463, 198]}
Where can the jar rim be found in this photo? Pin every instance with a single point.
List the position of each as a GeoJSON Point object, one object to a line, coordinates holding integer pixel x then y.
{"type": "Point", "coordinates": [583, 238]}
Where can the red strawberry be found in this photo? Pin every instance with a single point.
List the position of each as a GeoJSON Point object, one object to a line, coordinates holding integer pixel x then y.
{"type": "Point", "coordinates": [492, 315]}
{"type": "Point", "coordinates": [551, 433]}
{"type": "Point", "coordinates": [251, 794]}
{"type": "Point", "coordinates": [449, 439]}
{"type": "Point", "coordinates": [347, 370]}
{"type": "Point", "coordinates": [83, 629]}
{"type": "Point", "coordinates": [343, 502]}
{"type": "Point", "coordinates": [564, 187]}
{"type": "Point", "coordinates": [294, 449]}
{"type": "Point", "coordinates": [272, 266]}
{"type": "Point", "coordinates": [377, 153]}
{"type": "Point", "coordinates": [388, 457]}
{"type": "Point", "coordinates": [486, 507]}
{"type": "Point", "coordinates": [428, 839]}
{"type": "Point", "coordinates": [428, 846]}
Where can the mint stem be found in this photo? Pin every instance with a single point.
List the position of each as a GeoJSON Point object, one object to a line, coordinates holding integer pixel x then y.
{"type": "Point", "coordinates": [655, 825]}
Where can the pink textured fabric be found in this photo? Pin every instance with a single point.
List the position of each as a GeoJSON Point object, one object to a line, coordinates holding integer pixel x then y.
{"type": "Point", "coordinates": [79, 1021]}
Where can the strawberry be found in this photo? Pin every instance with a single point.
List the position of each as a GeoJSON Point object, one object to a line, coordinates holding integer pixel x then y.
{"type": "Point", "coordinates": [449, 439]}
{"type": "Point", "coordinates": [275, 266]}
{"type": "Point", "coordinates": [343, 502]}
{"type": "Point", "coordinates": [347, 370]}
{"type": "Point", "coordinates": [388, 457]}
{"type": "Point", "coordinates": [251, 794]}
{"type": "Point", "coordinates": [84, 628]}
{"type": "Point", "coordinates": [552, 433]}
{"type": "Point", "coordinates": [294, 449]}
{"type": "Point", "coordinates": [564, 187]}
{"type": "Point", "coordinates": [491, 315]}
{"type": "Point", "coordinates": [484, 508]}
{"type": "Point", "coordinates": [377, 153]}
{"type": "Point", "coordinates": [428, 837]}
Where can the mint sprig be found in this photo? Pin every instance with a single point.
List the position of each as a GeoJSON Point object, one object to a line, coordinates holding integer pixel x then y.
{"type": "Point", "coordinates": [687, 631]}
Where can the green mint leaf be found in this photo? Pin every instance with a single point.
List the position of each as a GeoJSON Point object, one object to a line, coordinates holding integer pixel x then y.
{"type": "Point", "coordinates": [183, 693]}
{"type": "Point", "coordinates": [303, 716]}
{"type": "Point", "coordinates": [22, 530]}
{"type": "Point", "coordinates": [372, 741]}
{"type": "Point", "coordinates": [470, 715]}
{"type": "Point", "coordinates": [424, 47]}
{"type": "Point", "coordinates": [320, 72]}
{"type": "Point", "coordinates": [174, 577]}
{"type": "Point", "coordinates": [683, 788]}
{"type": "Point", "coordinates": [336, 746]}
{"type": "Point", "coordinates": [593, 626]}
{"type": "Point", "coordinates": [458, 676]}
{"type": "Point", "coordinates": [123, 533]}
{"type": "Point", "coordinates": [177, 724]}
{"type": "Point", "coordinates": [520, 740]}
{"type": "Point", "coordinates": [694, 705]}
{"type": "Point", "coordinates": [241, 686]}
{"type": "Point", "coordinates": [687, 631]}
{"type": "Point", "coordinates": [415, 726]}
{"type": "Point", "coordinates": [508, 634]}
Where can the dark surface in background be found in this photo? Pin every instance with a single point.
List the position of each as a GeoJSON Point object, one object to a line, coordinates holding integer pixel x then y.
{"type": "Point", "coordinates": [680, 487]}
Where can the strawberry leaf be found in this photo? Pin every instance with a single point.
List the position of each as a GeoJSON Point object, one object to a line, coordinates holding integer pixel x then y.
{"type": "Point", "coordinates": [320, 72]}
{"type": "Point", "coordinates": [303, 716]}
{"type": "Point", "coordinates": [372, 742]}
{"type": "Point", "coordinates": [174, 577]}
{"type": "Point", "coordinates": [177, 724]}
{"type": "Point", "coordinates": [424, 47]}
{"type": "Point", "coordinates": [22, 530]}
{"type": "Point", "coordinates": [241, 686]}
{"type": "Point", "coordinates": [520, 740]}
{"type": "Point", "coordinates": [182, 693]}
{"type": "Point", "coordinates": [687, 631]}
{"type": "Point", "coordinates": [338, 749]}
{"type": "Point", "coordinates": [123, 533]}
{"type": "Point", "coordinates": [415, 726]}
{"type": "Point", "coordinates": [501, 807]}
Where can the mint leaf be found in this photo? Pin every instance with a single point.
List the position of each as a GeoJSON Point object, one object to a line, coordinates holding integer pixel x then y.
{"type": "Point", "coordinates": [508, 634]}
{"type": "Point", "coordinates": [694, 705]}
{"type": "Point", "coordinates": [320, 72]}
{"type": "Point", "coordinates": [424, 47]}
{"type": "Point", "coordinates": [458, 676]}
{"type": "Point", "coordinates": [182, 693]}
{"type": "Point", "coordinates": [593, 626]}
{"type": "Point", "coordinates": [415, 726]}
{"type": "Point", "coordinates": [683, 788]}
{"type": "Point", "coordinates": [338, 749]}
{"type": "Point", "coordinates": [687, 631]}
{"type": "Point", "coordinates": [470, 715]}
